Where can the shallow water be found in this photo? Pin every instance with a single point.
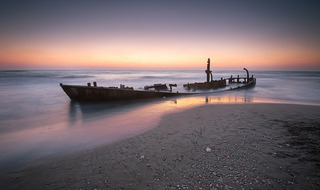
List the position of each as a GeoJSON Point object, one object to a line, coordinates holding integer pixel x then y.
{"type": "Point", "coordinates": [38, 119]}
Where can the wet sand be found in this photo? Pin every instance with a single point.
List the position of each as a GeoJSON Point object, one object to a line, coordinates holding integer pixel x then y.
{"type": "Point", "coordinates": [236, 146]}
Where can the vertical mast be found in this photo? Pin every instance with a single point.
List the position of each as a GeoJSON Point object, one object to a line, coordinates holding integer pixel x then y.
{"type": "Point", "coordinates": [208, 71]}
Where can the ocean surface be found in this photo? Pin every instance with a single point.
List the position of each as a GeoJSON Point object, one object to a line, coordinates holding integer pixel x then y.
{"type": "Point", "coordinates": [37, 119]}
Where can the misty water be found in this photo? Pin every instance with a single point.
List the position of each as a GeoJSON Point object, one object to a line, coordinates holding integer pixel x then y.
{"type": "Point", "coordinates": [37, 118]}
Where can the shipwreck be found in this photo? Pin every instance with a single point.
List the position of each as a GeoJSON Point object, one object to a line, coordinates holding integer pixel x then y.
{"type": "Point", "coordinates": [99, 93]}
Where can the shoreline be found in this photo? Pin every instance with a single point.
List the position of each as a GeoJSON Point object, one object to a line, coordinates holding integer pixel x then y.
{"type": "Point", "coordinates": [228, 146]}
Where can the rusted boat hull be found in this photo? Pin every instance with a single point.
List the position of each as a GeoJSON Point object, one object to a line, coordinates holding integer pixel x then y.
{"type": "Point", "coordinates": [99, 94]}
{"type": "Point", "coordinates": [251, 83]}
{"type": "Point", "coordinates": [91, 93]}
{"type": "Point", "coordinates": [206, 85]}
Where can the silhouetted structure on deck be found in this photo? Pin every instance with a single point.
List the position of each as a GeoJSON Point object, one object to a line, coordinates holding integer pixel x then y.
{"type": "Point", "coordinates": [209, 84]}
{"type": "Point", "coordinates": [245, 80]}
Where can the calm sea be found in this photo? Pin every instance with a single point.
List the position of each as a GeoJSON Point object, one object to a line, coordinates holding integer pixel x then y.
{"type": "Point", "coordinates": [37, 119]}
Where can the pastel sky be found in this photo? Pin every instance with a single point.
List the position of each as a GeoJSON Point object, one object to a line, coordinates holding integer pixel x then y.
{"type": "Point", "coordinates": [129, 34]}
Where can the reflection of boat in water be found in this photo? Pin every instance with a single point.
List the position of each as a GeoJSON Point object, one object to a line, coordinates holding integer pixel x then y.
{"type": "Point", "coordinates": [97, 93]}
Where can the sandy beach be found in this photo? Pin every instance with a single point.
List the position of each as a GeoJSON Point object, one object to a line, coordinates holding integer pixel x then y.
{"type": "Point", "coordinates": [224, 146]}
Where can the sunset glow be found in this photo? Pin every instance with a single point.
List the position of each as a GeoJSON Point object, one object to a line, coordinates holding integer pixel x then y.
{"type": "Point", "coordinates": [161, 34]}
